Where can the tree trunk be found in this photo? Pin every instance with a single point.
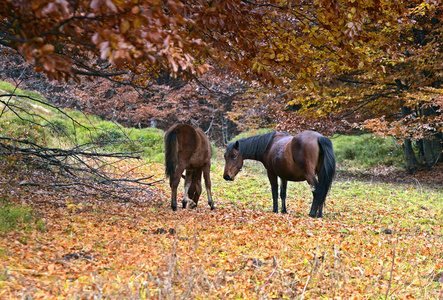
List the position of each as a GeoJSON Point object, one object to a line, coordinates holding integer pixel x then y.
{"type": "Point", "coordinates": [431, 147]}
{"type": "Point", "coordinates": [411, 160]}
{"type": "Point", "coordinates": [431, 150]}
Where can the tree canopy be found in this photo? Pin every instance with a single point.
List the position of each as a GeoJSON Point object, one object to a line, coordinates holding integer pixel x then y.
{"type": "Point", "coordinates": [375, 64]}
{"type": "Point", "coordinates": [275, 41]}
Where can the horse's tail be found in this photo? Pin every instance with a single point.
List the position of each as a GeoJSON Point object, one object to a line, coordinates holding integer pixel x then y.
{"type": "Point", "coordinates": [327, 171]}
{"type": "Point", "coordinates": [171, 153]}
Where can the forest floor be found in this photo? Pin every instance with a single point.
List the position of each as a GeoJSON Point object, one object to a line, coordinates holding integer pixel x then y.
{"type": "Point", "coordinates": [377, 240]}
{"type": "Point", "coordinates": [432, 177]}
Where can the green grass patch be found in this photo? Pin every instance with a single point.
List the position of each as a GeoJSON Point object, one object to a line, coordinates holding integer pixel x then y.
{"type": "Point", "coordinates": [409, 209]}
{"type": "Point", "coordinates": [10, 88]}
{"type": "Point", "coordinates": [367, 151]}
{"type": "Point", "coordinates": [44, 125]}
{"type": "Point", "coordinates": [15, 217]}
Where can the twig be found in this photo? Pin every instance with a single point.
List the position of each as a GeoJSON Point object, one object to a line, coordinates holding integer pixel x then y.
{"type": "Point", "coordinates": [392, 269]}
{"type": "Point", "coordinates": [335, 267]}
{"type": "Point", "coordinates": [57, 152]}
{"type": "Point", "coordinates": [304, 288]}
{"type": "Point", "coordinates": [314, 265]}
{"type": "Point", "coordinates": [272, 273]}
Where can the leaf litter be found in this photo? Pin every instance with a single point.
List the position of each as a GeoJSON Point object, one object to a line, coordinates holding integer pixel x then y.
{"type": "Point", "coordinates": [93, 247]}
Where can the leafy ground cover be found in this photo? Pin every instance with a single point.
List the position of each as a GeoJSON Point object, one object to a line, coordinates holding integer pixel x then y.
{"type": "Point", "coordinates": [376, 239]}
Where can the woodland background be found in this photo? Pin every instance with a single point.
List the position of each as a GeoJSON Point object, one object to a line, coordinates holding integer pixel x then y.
{"type": "Point", "coordinates": [337, 65]}
{"type": "Point", "coordinates": [84, 204]}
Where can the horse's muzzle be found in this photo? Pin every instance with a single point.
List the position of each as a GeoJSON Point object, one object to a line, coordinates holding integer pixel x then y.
{"type": "Point", "coordinates": [227, 177]}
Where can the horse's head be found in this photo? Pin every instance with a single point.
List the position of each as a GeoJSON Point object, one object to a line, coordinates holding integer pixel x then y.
{"type": "Point", "coordinates": [233, 161]}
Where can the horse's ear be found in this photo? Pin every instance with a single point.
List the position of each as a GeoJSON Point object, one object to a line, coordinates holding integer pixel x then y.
{"type": "Point", "coordinates": [236, 145]}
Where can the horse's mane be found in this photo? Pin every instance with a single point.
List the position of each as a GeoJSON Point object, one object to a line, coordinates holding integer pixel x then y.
{"type": "Point", "coordinates": [255, 146]}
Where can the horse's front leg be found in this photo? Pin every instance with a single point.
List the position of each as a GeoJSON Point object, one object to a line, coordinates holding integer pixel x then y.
{"type": "Point", "coordinates": [283, 187]}
{"type": "Point", "coordinates": [274, 187]}
{"type": "Point", "coordinates": [207, 177]}
{"type": "Point", "coordinates": [320, 212]}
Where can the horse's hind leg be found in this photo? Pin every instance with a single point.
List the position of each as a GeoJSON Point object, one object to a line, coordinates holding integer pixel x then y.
{"type": "Point", "coordinates": [194, 190]}
{"type": "Point", "coordinates": [283, 188]}
{"type": "Point", "coordinates": [188, 179]}
{"type": "Point", "coordinates": [174, 182]}
{"type": "Point", "coordinates": [207, 177]}
{"type": "Point", "coordinates": [312, 180]}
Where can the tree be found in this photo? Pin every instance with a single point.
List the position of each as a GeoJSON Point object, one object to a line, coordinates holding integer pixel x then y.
{"type": "Point", "coordinates": [396, 88]}
{"type": "Point", "coordinates": [353, 60]}
{"type": "Point", "coordinates": [274, 41]}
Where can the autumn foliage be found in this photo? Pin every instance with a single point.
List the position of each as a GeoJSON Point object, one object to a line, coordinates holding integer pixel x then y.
{"type": "Point", "coordinates": [354, 61]}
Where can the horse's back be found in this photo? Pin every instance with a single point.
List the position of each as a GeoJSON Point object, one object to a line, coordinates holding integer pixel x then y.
{"type": "Point", "coordinates": [292, 157]}
{"type": "Point", "coordinates": [193, 145]}
{"type": "Point", "coordinates": [306, 150]}
{"type": "Point", "coordinates": [306, 143]}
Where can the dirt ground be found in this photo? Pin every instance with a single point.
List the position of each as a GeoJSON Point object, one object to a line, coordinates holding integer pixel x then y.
{"type": "Point", "coordinates": [433, 177]}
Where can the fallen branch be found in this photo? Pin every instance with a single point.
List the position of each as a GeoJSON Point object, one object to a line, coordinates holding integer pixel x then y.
{"type": "Point", "coordinates": [82, 168]}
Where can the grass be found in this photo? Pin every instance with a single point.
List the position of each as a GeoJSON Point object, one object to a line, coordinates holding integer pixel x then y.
{"type": "Point", "coordinates": [10, 88]}
{"type": "Point", "coordinates": [346, 253]}
{"type": "Point", "coordinates": [39, 123]}
{"type": "Point", "coordinates": [15, 217]}
{"type": "Point", "coordinates": [367, 151]}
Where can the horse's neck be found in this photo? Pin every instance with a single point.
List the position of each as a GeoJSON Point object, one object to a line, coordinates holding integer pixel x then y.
{"type": "Point", "coordinates": [253, 155]}
{"type": "Point", "coordinates": [255, 147]}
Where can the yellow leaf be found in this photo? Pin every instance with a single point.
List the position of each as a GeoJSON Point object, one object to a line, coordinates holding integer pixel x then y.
{"type": "Point", "coordinates": [124, 26]}
{"type": "Point", "coordinates": [254, 66]}
{"type": "Point", "coordinates": [47, 49]}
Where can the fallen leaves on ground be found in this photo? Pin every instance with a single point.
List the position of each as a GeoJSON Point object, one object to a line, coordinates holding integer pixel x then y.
{"type": "Point", "coordinates": [92, 247]}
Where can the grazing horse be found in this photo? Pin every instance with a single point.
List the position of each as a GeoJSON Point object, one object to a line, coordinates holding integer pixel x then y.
{"type": "Point", "coordinates": [187, 148]}
{"type": "Point", "coordinates": [297, 158]}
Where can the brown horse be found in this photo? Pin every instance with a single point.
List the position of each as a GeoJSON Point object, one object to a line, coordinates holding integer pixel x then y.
{"type": "Point", "coordinates": [187, 148]}
{"type": "Point", "coordinates": [297, 158]}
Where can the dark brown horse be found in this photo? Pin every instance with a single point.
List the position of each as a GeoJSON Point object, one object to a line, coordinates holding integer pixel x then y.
{"type": "Point", "coordinates": [187, 148]}
{"type": "Point", "coordinates": [297, 158]}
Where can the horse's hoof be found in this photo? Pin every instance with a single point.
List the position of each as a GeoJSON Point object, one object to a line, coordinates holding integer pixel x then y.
{"type": "Point", "coordinates": [284, 211]}
{"type": "Point", "coordinates": [174, 208]}
{"type": "Point", "coordinates": [184, 204]}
